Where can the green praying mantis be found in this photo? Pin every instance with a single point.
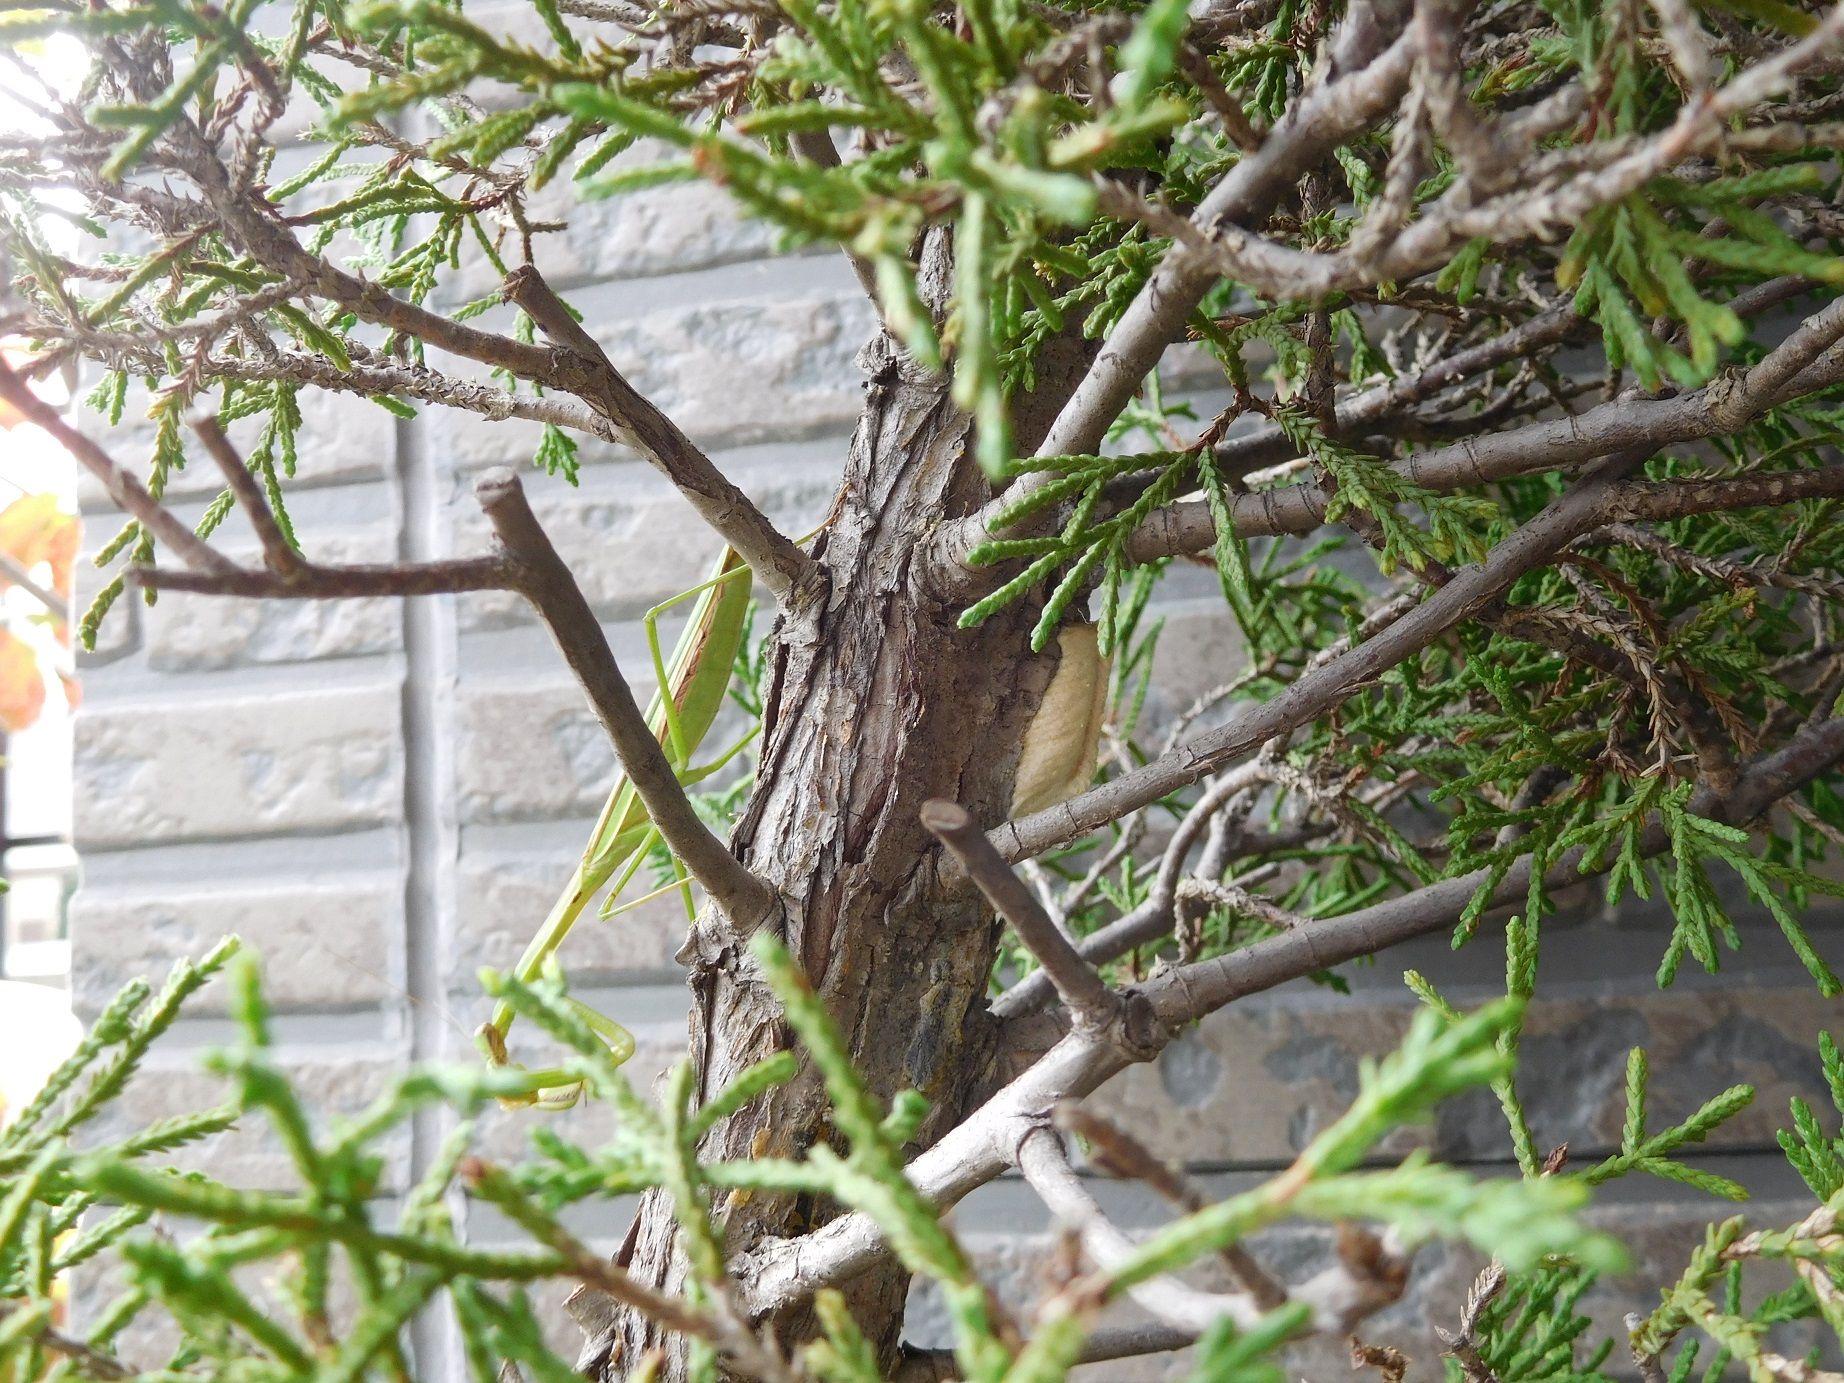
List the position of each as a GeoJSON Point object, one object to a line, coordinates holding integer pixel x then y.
{"type": "Point", "coordinates": [1057, 760]}
{"type": "Point", "coordinates": [691, 692]}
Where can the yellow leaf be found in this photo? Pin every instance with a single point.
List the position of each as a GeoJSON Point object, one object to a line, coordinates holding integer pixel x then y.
{"type": "Point", "coordinates": [22, 685]}
{"type": "Point", "coordinates": [34, 529]}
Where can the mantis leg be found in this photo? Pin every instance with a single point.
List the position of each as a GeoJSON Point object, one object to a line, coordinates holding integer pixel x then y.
{"type": "Point", "coordinates": [687, 776]}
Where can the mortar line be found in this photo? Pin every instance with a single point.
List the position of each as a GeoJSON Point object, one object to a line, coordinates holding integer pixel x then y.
{"type": "Point", "coordinates": [430, 834]}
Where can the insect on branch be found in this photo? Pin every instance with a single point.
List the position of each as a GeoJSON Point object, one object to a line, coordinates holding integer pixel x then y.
{"type": "Point", "coordinates": [543, 578]}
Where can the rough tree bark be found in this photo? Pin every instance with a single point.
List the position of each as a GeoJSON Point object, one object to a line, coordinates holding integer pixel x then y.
{"type": "Point", "coordinates": [877, 703]}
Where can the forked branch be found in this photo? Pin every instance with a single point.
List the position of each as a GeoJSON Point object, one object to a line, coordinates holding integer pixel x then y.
{"type": "Point", "coordinates": [589, 374]}
{"type": "Point", "coordinates": [1090, 1001]}
{"type": "Point", "coordinates": [527, 564]}
{"type": "Point", "coordinates": [983, 1145]}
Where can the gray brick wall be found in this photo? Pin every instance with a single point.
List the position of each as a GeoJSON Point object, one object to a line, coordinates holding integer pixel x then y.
{"type": "Point", "coordinates": [383, 799]}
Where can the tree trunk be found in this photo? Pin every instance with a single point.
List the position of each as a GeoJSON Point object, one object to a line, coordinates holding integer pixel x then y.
{"type": "Point", "coordinates": [877, 703]}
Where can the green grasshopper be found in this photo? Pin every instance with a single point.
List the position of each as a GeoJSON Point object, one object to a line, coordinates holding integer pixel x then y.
{"type": "Point", "coordinates": [690, 695]}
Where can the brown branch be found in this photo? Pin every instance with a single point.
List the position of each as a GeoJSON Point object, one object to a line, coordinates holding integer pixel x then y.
{"type": "Point", "coordinates": [278, 552]}
{"type": "Point", "coordinates": [129, 494]}
{"type": "Point", "coordinates": [1677, 499]}
{"type": "Point", "coordinates": [1552, 444]}
{"type": "Point", "coordinates": [1088, 999]}
{"type": "Point", "coordinates": [1318, 690]}
{"type": "Point", "coordinates": [1131, 1341]}
{"type": "Point", "coordinates": [1105, 1345]}
{"type": "Point", "coordinates": [1045, 1167]}
{"type": "Point", "coordinates": [1154, 916]}
{"type": "Point", "coordinates": [312, 581]}
{"type": "Point", "coordinates": [542, 577]}
{"type": "Point", "coordinates": [1532, 205]}
{"type": "Point", "coordinates": [983, 1145]}
{"type": "Point", "coordinates": [263, 236]}
{"type": "Point", "coordinates": [817, 148]}
{"type": "Point", "coordinates": [491, 1184]}
{"type": "Point", "coordinates": [1265, 445]}
{"type": "Point", "coordinates": [89, 1361]}
{"type": "Point", "coordinates": [527, 563]}
{"type": "Point", "coordinates": [1118, 1152]}
{"type": "Point", "coordinates": [1369, 74]}
{"type": "Point", "coordinates": [1189, 992]}
{"type": "Point", "coordinates": [1473, 591]}
{"type": "Point", "coordinates": [589, 374]}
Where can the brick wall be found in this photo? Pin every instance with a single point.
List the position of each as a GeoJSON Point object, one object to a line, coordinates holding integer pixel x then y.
{"type": "Point", "coordinates": [383, 798]}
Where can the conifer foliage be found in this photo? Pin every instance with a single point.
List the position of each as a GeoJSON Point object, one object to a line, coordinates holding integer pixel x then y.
{"type": "Point", "coordinates": [1490, 356]}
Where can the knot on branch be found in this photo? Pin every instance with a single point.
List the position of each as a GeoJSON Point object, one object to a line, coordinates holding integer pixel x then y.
{"type": "Point", "coordinates": [1728, 401]}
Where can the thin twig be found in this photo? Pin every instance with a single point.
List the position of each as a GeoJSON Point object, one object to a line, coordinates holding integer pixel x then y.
{"type": "Point", "coordinates": [1370, 69]}
{"type": "Point", "coordinates": [1090, 1001]}
{"type": "Point", "coordinates": [278, 552]}
{"type": "Point", "coordinates": [89, 1361]}
{"type": "Point", "coordinates": [1115, 1150]}
{"type": "Point", "coordinates": [1650, 1370]}
{"type": "Point", "coordinates": [128, 493]}
{"type": "Point", "coordinates": [1046, 1168]}
{"type": "Point", "coordinates": [13, 570]}
{"type": "Point", "coordinates": [489, 1182]}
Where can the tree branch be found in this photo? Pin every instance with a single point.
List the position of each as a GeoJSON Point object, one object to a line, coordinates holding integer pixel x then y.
{"type": "Point", "coordinates": [1661, 501]}
{"type": "Point", "coordinates": [1370, 73]}
{"type": "Point", "coordinates": [1153, 917]}
{"type": "Point", "coordinates": [1118, 1152]}
{"type": "Point", "coordinates": [1553, 444]}
{"type": "Point", "coordinates": [1183, 995]}
{"type": "Point", "coordinates": [1267, 444]}
{"type": "Point", "coordinates": [777, 562]}
{"type": "Point", "coordinates": [1045, 1167]}
{"type": "Point", "coordinates": [1596, 501]}
{"type": "Point", "coordinates": [542, 577]}
{"type": "Point", "coordinates": [278, 552]}
{"type": "Point", "coordinates": [129, 494]}
{"type": "Point", "coordinates": [982, 1145]}
{"type": "Point", "coordinates": [14, 572]}
{"type": "Point", "coordinates": [411, 381]}
{"type": "Point", "coordinates": [1316, 691]}
{"type": "Point", "coordinates": [1090, 1002]}
{"type": "Point", "coordinates": [311, 581]}
{"type": "Point", "coordinates": [527, 563]}
{"type": "Point", "coordinates": [1277, 271]}
{"type": "Point", "coordinates": [271, 243]}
